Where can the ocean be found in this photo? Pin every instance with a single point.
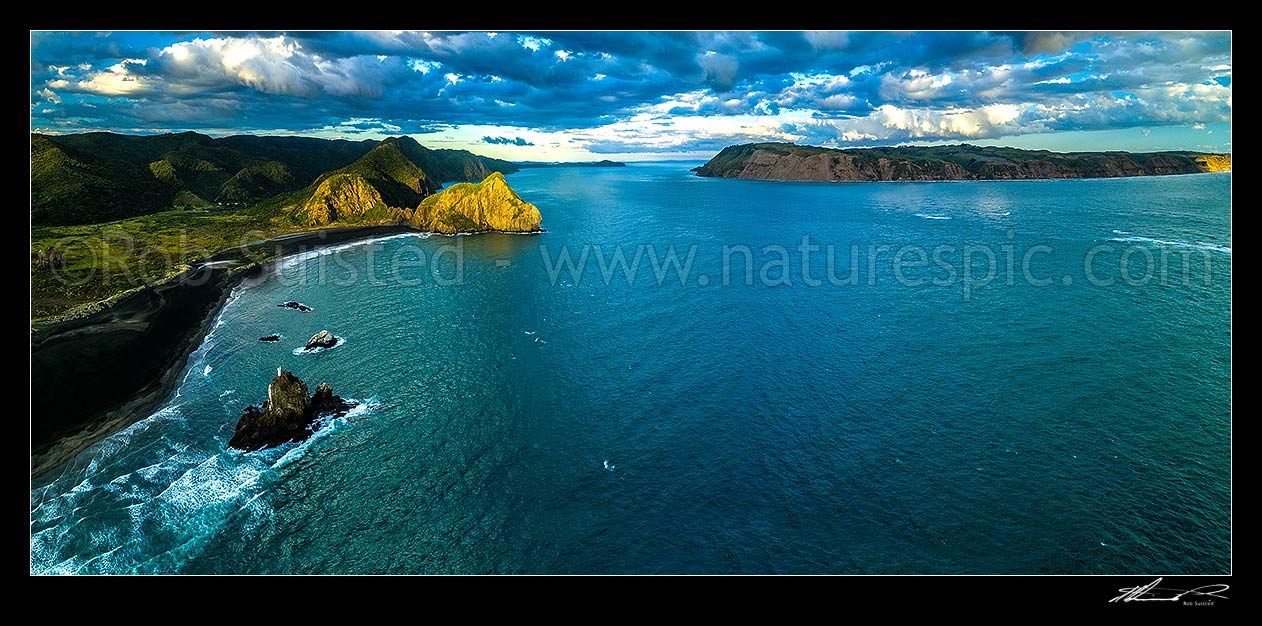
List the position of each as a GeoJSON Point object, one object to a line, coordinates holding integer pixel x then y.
{"type": "Point", "coordinates": [1008, 377]}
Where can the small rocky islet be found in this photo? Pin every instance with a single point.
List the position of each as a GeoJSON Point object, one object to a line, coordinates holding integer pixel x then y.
{"type": "Point", "coordinates": [322, 339]}
{"type": "Point", "coordinates": [298, 306]}
{"type": "Point", "coordinates": [289, 414]}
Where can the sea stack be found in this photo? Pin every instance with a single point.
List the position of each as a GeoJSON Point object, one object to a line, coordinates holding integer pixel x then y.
{"type": "Point", "coordinates": [289, 414]}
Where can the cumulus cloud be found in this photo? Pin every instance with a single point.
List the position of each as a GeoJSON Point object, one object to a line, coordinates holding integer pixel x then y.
{"type": "Point", "coordinates": [635, 90]}
{"type": "Point", "coordinates": [506, 141]}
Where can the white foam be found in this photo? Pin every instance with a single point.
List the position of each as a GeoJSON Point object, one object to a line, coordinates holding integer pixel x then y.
{"type": "Point", "coordinates": [198, 356]}
{"type": "Point", "coordinates": [932, 217]}
{"type": "Point", "coordinates": [200, 491]}
{"type": "Point", "coordinates": [326, 426]}
{"type": "Point", "coordinates": [1200, 245]}
{"type": "Point", "coordinates": [317, 350]}
{"type": "Point", "coordinates": [295, 259]}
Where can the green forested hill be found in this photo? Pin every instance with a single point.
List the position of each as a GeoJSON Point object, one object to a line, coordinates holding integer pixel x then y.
{"type": "Point", "coordinates": [98, 177]}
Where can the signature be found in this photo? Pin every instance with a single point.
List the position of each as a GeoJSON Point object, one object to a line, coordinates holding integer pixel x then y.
{"type": "Point", "coordinates": [1152, 593]}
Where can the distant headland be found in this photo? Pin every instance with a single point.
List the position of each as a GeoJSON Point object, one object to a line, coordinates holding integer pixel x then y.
{"type": "Point", "coordinates": [786, 161]}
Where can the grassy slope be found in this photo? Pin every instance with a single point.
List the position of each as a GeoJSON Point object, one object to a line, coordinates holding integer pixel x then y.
{"type": "Point", "coordinates": [103, 260]}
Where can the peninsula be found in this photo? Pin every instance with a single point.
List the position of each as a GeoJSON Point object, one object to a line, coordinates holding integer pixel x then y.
{"type": "Point", "coordinates": [786, 161]}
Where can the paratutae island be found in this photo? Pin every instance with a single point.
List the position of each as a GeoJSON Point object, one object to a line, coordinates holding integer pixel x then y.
{"type": "Point", "coordinates": [786, 161]}
{"type": "Point", "coordinates": [473, 207]}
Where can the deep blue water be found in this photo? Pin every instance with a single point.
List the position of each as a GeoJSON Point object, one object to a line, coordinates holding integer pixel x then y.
{"type": "Point", "coordinates": [515, 423]}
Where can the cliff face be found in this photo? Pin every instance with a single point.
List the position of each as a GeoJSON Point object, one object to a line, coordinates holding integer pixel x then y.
{"type": "Point", "coordinates": [473, 207]}
{"type": "Point", "coordinates": [390, 186]}
{"type": "Point", "coordinates": [960, 162]}
{"type": "Point", "coordinates": [1215, 162]}
{"type": "Point", "coordinates": [339, 197]}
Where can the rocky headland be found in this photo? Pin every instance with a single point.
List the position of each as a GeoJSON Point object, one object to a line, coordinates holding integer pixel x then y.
{"type": "Point", "coordinates": [490, 205]}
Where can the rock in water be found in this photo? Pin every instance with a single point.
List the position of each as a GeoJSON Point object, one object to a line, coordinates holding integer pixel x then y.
{"type": "Point", "coordinates": [476, 207]}
{"type": "Point", "coordinates": [287, 398]}
{"type": "Point", "coordinates": [294, 305]}
{"type": "Point", "coordinates": [323, 402]}
{"type": "Point", "coordinates": [288, 415]}
{"type": "Point", "coordinates": [282, 418]}
{"type": "Point", "coordinates": [322, 339]}
{"type": "Point", "coordinates": [270, 338]}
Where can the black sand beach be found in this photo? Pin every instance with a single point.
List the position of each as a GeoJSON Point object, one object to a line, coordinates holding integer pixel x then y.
{"type": "Point", "coordinates": [95, 375]}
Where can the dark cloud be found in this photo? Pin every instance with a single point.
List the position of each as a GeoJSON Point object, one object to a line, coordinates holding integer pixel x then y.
{"type": "Point", "coordinates": [1046, 42]}
{"type": "Point", "coordinates": [506, 141]}
{"type": "Point", "coordinates": [890, 86]}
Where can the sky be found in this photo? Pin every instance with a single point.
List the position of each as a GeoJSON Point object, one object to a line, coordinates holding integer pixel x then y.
{"type": "Point", "coordinates": [584, 95]}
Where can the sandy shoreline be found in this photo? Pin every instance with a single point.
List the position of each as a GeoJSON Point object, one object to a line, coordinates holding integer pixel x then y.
{"type": "Point", "coordinates": [95, 375]}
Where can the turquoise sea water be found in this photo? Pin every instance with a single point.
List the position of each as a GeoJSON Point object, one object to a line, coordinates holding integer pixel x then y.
{"type": "Point", "coordinates": [518, 421]}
